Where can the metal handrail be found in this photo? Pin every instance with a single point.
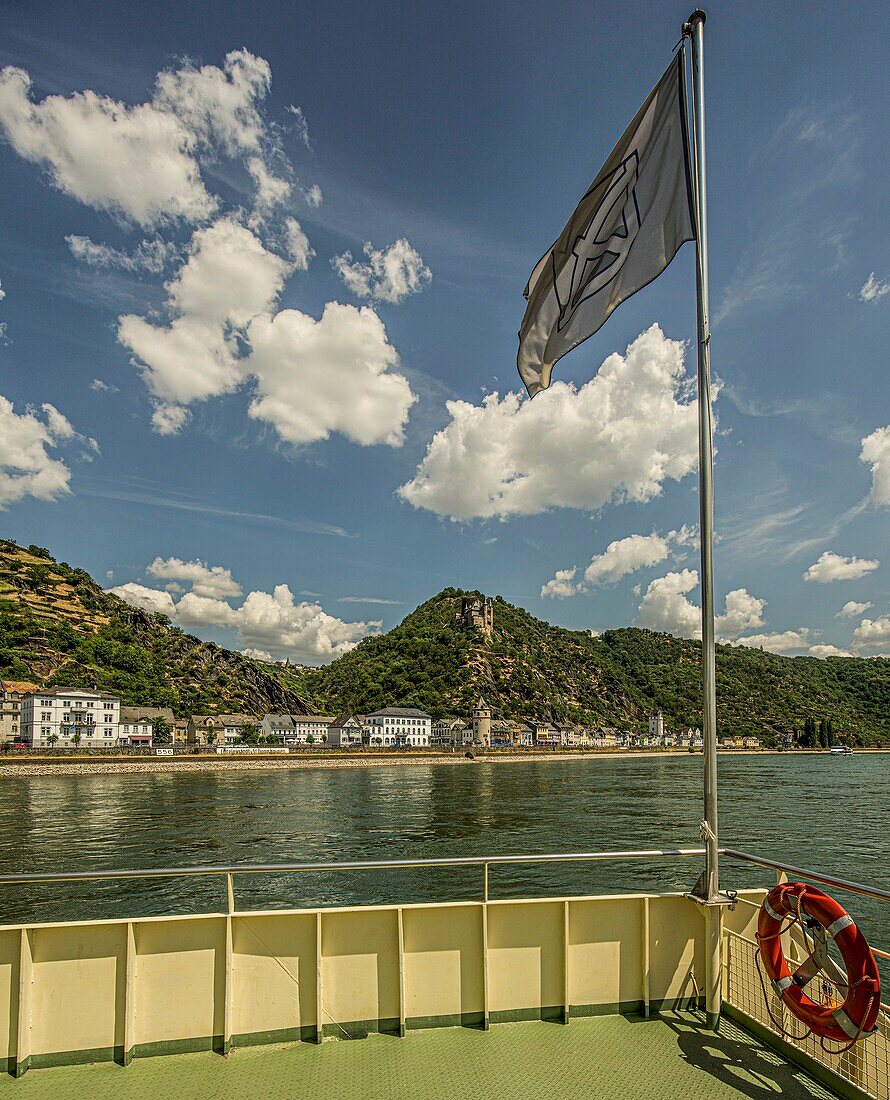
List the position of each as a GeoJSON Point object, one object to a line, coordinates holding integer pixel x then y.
{"type": "Point", "coordinates": [355, 865]}
{"type": "Point", "coordinates": [815, 876]}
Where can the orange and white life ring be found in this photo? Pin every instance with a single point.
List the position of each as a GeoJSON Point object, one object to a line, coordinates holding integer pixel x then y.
{"type": "Point", "coordinates": [822, 917]}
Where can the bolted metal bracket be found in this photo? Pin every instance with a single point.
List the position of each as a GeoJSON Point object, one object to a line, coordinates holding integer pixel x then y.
{"type": "Point", "coordinates": [699, 894]}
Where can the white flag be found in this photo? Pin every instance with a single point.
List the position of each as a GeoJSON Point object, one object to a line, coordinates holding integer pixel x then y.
{"type": "Point", "coordinates": [626, 230]}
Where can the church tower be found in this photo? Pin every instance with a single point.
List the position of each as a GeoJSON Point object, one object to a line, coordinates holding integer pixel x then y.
{"type": "Point", "coordinates": [482, 723]}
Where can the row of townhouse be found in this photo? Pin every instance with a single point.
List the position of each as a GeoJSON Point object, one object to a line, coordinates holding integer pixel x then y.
{"type": "Point", "coordinates": [73, 717]}
{"type": "Point", "coordinates": [390, 727]}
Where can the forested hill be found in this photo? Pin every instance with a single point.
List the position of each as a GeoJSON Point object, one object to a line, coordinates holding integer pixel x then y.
{"type": "Point", "coordinates": [528, 668]}
{"type": "Point", "coordinates": [58, 627]}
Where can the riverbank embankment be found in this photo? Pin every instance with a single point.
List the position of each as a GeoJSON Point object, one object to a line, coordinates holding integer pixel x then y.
{"type": "Point", "coordinates": [189, 765]}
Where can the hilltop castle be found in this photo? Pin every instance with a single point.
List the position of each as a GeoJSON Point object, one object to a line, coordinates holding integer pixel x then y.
{"type": "Point", "coordinates": [477, 613]}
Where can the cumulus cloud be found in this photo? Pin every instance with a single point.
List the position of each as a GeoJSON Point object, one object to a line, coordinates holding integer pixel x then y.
{"type": "Point", "coordinates": [852, 610]}
{"type": "Point", "coordinates": [27, 469]}
{"type": "Point", "coordinates": [332, 375]}
{"type": "Point", "coordinates": [873, 634]}
{"type": "Point", "coordinates": [833, 567]}
{"type": "Point", "coordinates": [228, 279]}
{"type": "Point", "coordinates": [258, 655]}
{"type": "Point", "coordinates": [98, 386]}
{"type": "Point", "coordinates": [152, 256]}
{"type": "Point", "coordinates": [778, 642]}
{"type": "Point", "coordinates": [300, 126]}
{"type": "Point", "coordinates": [621, 557]}
{"type": "Point", "coordinates": [618, 438]}
{"type": "Point", "coordinates": [874, 289]}
{"type": "Point", "coordinates": [267, 623]}
{"type": "Point", "coordinates": [666, 607]}
{"type": "Point", "coordinates": [135, 162]}
{"type": "Point", "coordinates": [167, 418]}
{"type": "Point", "coordinates": [297, 244]}
{"type": "Point", "coordinates": [205, 580]}
{"type": "Point", "coordinates": [310, 377]}
{"type": "Point", "coordinates": [876, 452]}
{"type": "Point", "coordinates": [561, 585]}
{"type": "Point", "coordinates": [142, 163]}
{"type": "Point", "coordinates": [313, 196]}
{"type": "Point", "coordinates": [823, 651]}
{"type": "Point", "coordinates": [219, 106]}
{"type": "Point", "coordinates": [389, 275]}
{"type": "Point", "coordinates": [147, 599]}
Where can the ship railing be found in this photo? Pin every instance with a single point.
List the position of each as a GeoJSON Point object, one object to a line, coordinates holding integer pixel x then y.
{"type": "Point", "coordinates": [864, 1069]}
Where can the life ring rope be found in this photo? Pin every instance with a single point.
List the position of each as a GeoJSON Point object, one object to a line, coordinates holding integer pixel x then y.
{"type": "Point", "coordinates": [806, 906]}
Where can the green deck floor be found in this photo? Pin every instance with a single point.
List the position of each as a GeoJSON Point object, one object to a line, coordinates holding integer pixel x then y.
{"type": "Point", "coordinates": [669, 1058]}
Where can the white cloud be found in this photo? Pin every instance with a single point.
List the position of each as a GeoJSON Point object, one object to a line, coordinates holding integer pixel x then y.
{"type": "Point", "coordinates": [332, 375]}
{"type": "Point", "coordinates": [136, 162]}
{"type": "Point", "coordinates": [311, 377]}
{"type": "Point", "coordinates": [98, 386]}
{"type": "Point", "coordinates": [618, 438]}
{"type": "Point", "coordinates": [852, 610]}
{"type": "Point", "coordinates": [298, 247]}
{"type": "Point", "coordinates": [625, 556]}
{"type": "Point", "coordinates": [390, 274]}
{"type": "Point", "coordinates": [666, 607]}
{"type": "Point", "coordinates": [621, 557]}
{"type": "Point", "coordinates": [168, 419]}
{"type": "Point", "coordinates": [143, 162]}
{"type": "Point", "coordinates": [148, 599]}
{"type": "Point", "coordinates": [874, 289]}
{"type": "Point", "coordinates": [300, 126]}
{"type": "Point", "coordinates": [313, 196]}
{"type": "Point", "coordinates": [273, 623]}
{"type": "Point", "coordinates": [228, 279]}
{"type": "Point", "coordinates": [27, 469]}
{"type": "Point", "coordinates": [742, 612]}
{"type": "Point", "coordinates": [561, 586]}
{"type": "Point", "coordinates": [258, 655]}
{"type": "Point", "coordinates": [832, 567]}
{"type": "Point", "coordinates": [271, 190]}
{"type": "Point", "coordinates": [876, 452]}
{"type": "Point", "coordinates": [873, 633]}
{"type": "Point", "coordinates": [149, 255]}
{"type": "Point", "coordinates": [824, 651]}
{"type": "Point", "coordinates": [778, 642]}
{"type": "Point", "coordinates": [219, 106]}
{"type": "Point", "coordinates": [214, 581]}
{"type": "Point", "coordinates": [2, 293]}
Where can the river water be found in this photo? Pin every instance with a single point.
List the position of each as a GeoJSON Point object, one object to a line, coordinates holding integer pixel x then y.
{"type": "Point", "coordinates": [822, 812]}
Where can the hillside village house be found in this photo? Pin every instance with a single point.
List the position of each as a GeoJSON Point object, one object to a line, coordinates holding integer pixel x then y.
{"type": "Point", "coordinates": [12, 692]}
{"type": "Point", "coordinates": [137, 724]}
{"type": "Point", "coordinates": [407, 727]}
{"type": "Point", "coordinates": [70, 717]}
{"type": "Point", "coordinates": [218, 729]}
{"type": "Point", "coordinates": [449, 733]}
{"type": "Point", "coordinates": [297, 729]}
{"type": "Point", "coordinates": [345, 732]}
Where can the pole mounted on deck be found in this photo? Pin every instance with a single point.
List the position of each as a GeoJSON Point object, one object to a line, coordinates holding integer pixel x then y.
{"type": "Point", "coordinates": [708, 889]}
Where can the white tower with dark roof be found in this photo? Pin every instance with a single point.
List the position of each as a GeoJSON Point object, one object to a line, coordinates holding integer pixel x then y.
{"type": "Point", "coordinates": [482, 723]}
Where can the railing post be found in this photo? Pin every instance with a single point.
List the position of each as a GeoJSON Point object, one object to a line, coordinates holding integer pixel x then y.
{"type": "Point", "coordinates": [485, 882]}
{"type": "Point", "coordinates": [645, 957]}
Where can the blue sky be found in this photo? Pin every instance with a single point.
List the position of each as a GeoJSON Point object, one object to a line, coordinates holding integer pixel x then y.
{"type": "Point", "coordinates": [238, 433]}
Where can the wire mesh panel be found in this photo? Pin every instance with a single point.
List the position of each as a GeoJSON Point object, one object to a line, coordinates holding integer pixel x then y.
{"type": "Point", "coordinates": [866, 1064]}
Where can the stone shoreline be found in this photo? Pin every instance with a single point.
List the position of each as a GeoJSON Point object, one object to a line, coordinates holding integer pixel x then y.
{"type": "Point", "coordinates": [191, 764]}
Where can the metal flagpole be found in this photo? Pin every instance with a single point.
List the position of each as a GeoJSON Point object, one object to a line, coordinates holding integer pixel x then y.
{"type": "Point", "coordinates": [709, 888]}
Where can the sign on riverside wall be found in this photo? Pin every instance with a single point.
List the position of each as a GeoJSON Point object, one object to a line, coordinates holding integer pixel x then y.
{"type": "Point", "coordinates": [255, 749]}
{"type": "Point", "coordinates": [164, 752]}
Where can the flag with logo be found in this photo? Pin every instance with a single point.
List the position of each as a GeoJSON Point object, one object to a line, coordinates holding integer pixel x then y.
{"type": "Point", "coordinates": [626, 230]}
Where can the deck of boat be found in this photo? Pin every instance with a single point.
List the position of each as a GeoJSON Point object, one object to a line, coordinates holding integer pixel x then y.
{"type": "Point", "coordinates": [607, 1056]}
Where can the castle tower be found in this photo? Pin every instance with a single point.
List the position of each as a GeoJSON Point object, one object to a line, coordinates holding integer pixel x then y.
{"type": "Point", "coordinates": [482, 723]}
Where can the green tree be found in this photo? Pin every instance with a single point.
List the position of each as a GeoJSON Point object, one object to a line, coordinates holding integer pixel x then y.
{"type": "Point", "coordinates": [162, 731]}
{"type": "Point", "coordinates": [76, 737]}
{"type": "Point", "coordinates": [52, 739]}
